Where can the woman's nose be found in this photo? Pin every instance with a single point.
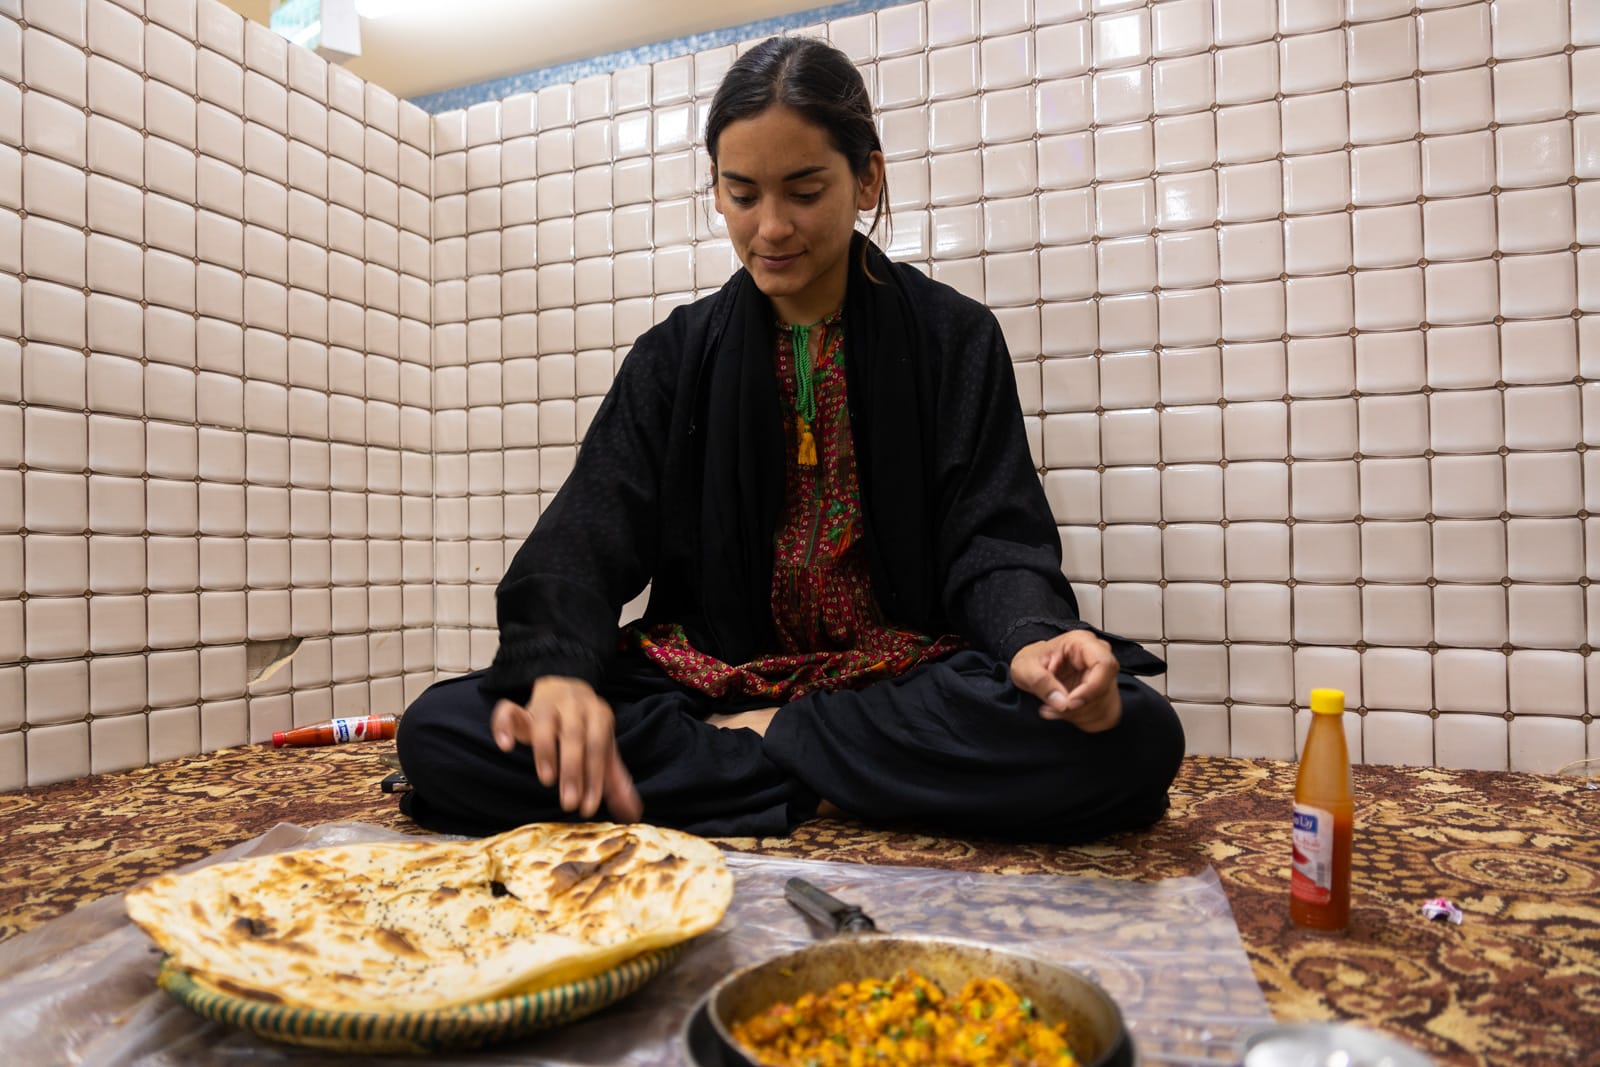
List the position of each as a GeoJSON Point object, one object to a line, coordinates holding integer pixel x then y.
{"type": "Point", "coordinates": [774, 222]}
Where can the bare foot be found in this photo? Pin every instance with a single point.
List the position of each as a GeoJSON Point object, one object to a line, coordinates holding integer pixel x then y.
{"type": "Point", "coordinates": [757, 720]}
{"type": "Point", "coordinates": [827, 809]}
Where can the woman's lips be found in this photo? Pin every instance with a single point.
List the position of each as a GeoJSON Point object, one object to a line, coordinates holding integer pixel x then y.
{"type": "Point", "coordinates": [777, 262]}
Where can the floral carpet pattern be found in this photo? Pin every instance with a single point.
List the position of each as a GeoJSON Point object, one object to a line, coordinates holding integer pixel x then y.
{"type": "Point", "coordinates": [1517, 982]}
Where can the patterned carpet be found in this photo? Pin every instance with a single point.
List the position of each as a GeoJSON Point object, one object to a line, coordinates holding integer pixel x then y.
{"type": "Point", "coordinates": [1518, 982]}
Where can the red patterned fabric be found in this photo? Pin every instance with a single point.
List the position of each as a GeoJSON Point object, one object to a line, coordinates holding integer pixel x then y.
{"type": "Point", "coordinates": [830, 632]}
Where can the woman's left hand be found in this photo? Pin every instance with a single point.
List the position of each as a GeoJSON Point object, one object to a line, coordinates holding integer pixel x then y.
{"type": "Point", "coordinates": [1074, 675]}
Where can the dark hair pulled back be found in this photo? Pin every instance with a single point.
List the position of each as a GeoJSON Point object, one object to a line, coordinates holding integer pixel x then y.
{"type": "Point", "coordinates": [816, 80]}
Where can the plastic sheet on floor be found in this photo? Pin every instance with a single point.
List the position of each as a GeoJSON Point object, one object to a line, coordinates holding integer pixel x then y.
{"type": "Point", "coordinates": [81, 988]}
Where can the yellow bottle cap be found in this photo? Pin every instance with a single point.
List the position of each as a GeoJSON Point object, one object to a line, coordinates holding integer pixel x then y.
{"type": "Point", "coordinates": [1327, 701]}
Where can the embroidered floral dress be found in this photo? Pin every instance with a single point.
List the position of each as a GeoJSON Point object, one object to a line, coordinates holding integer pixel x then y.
{"type": "Point", "coordinates": [830, 633]}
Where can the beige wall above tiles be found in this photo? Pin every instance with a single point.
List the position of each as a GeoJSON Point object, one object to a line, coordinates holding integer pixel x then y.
{"type": "Point", "coordinates": [1299, 297]}
{"type": "Point", "coordinates": [441, 46]}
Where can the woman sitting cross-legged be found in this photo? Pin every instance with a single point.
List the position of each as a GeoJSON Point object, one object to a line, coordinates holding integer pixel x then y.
{"type": "Point", "coordinates": [857, 604]}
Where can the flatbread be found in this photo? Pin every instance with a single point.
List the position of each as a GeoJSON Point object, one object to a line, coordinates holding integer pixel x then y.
{"type": "Point", "coordinates": [422, 926]}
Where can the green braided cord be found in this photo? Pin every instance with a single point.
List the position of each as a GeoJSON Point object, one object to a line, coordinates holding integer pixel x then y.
{"type": "Point", "coordinates": [805, 401]}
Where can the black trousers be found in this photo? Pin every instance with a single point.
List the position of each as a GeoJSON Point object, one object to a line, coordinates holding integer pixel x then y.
{"type": "Point", "coordinates": [951, 746]}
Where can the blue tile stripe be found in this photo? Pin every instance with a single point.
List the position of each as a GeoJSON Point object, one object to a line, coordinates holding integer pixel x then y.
{"type": "Point", "coordinates": [565, 73]}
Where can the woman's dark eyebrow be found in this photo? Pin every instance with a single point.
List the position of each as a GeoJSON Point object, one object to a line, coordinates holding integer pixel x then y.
{"type": "Point", "coordinates": [792, 176]}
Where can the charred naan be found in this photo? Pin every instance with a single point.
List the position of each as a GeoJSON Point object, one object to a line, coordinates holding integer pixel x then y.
{"type": "Point", "coordinates": [422, 926]}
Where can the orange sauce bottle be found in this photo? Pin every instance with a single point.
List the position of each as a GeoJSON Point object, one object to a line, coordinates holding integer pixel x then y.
{"type": "Point", "coordinates": [1324, 817]}
{"type": "Point", "coordinates": [337, 731]}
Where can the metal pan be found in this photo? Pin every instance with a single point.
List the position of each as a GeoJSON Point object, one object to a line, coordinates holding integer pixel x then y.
{"type": "Point", "coordinates": [1098, 1035]}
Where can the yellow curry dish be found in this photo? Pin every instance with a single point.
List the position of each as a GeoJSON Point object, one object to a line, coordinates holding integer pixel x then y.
{"type": "Point", "coordinates": [906, 1020]}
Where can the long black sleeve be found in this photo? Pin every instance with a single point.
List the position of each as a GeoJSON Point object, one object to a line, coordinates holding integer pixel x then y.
{"type": "Point", "coordinates": [998, 546]}
{"type": "Point", "coordinates": [593, 548]}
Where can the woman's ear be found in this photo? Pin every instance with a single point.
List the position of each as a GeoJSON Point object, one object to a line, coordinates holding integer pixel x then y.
{"type": "Point", "coordinates": [716, 191]}
{"type": "Point", "coordinates": [870, 183]}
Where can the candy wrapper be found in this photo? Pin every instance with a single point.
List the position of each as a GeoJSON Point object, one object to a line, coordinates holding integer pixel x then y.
{"type": "Point", "coordinates": [1440, 908]}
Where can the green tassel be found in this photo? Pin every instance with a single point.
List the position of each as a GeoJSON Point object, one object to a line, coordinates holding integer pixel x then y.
{"type": "Point", "coordinates": [805, 400]}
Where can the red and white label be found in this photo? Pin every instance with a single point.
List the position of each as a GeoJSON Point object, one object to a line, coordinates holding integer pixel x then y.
{"type": "Point", "coordinates": [1312, 880]}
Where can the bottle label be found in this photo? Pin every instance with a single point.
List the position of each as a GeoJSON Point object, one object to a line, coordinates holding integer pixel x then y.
{"type": "Point", "coordinates": [1312, 880]}
{"type": "Point", "coordinates": [345, 729]}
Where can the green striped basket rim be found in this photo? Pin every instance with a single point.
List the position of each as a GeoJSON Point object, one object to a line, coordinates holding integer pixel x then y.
{"type": "Point", "coordinates": [464, 1026]}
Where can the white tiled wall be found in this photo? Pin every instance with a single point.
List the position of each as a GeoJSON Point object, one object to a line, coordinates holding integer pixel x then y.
{"type": "Point", "coordinates": [215, 386]}
{"type": "Point", "coordinates": [565, 223]}
{"type": "Point", "coordinates": [1297, 293]}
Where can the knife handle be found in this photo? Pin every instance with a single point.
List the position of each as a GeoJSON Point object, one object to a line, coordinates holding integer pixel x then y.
{"type": "Point", "coordinates": [825, 908]}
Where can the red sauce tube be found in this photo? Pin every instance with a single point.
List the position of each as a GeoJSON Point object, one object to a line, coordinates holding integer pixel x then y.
{"type": "Point", "coordinates": [337, 731]}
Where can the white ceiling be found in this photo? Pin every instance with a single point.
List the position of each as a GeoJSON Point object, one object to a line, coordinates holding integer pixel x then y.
{"type": "Point", "coordinates": [451, 43]}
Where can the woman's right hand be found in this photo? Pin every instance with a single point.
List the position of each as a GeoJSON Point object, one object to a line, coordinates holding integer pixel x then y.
{"type": "Point", "coordinates": [573, 737]}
